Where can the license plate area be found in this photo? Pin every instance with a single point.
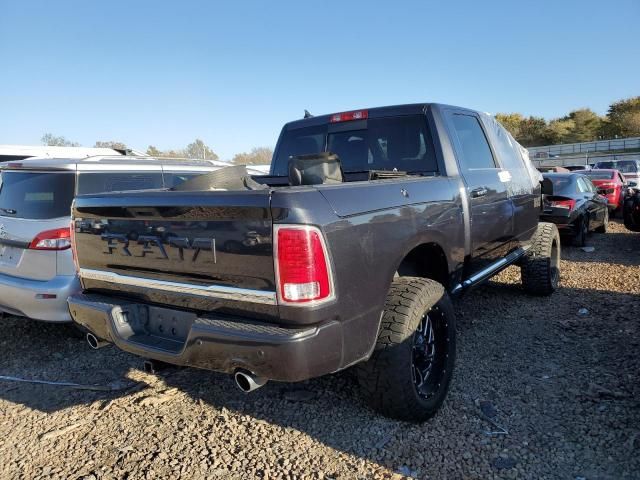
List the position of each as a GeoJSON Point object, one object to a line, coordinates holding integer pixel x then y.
{"type": "Point", "coordinates": [157, 327]}
{"type": "Point", "coordinates": [10, 256]}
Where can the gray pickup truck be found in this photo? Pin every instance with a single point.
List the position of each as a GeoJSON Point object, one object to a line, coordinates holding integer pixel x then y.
{"type": "Point", "coordinates": [346, 254]}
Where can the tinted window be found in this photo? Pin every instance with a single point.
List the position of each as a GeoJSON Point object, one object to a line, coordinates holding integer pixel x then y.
{"type": "Point", "coordinates": [299, 141]}
{"type": "Point", "coordinates": [386, 143]}
{"type": "Point", "coordinates": [625, 166]}
{"type": "Point", "coordinates": [476, 153]}
{"type": "Point", "coordinates": [99, 182]}
{"type": "Point", "coordinates": [562, 185]}
{"type": "Point", "coordinates": [36, 195]}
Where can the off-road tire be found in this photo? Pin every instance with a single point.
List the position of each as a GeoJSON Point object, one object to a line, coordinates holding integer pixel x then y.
{"type": "Point", "coordinates": [540, 267]}
{"type": "Point", "coordinates": [388, 378]}
{"type": "Point", "coordinates": [605, 225]}
{"type": "Point", "coordinates": [580, 237]}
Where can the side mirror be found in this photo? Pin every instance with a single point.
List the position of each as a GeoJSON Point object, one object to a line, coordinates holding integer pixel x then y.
{"type": "Point", "coordinates": [632, 184]}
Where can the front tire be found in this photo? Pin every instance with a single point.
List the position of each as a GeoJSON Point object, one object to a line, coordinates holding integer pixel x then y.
{"type": "Point", "coordinates": [540, 267]}
{"type": "Point", "coordinates": [408, 375]}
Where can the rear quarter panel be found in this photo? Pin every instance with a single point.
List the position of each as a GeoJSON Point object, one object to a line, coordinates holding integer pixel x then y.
{"type": "Point", "coordinates": [370, 227]}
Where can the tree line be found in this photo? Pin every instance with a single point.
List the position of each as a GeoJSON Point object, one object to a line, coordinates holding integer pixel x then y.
{"type": "Point", "coordinates": [582, 125]}
{"type": "Point", "coordinates": [196, 149]}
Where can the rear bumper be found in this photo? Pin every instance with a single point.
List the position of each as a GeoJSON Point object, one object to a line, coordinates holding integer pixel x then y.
{"type": "Point", "coordinates": [18, 296]}
{"type": "Point", "coordinates": [223, 344]}
{"type": "Point", "coordinates": [564, 222]}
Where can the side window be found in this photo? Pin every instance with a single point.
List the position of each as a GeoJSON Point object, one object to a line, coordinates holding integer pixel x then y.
{"type": "Point", "coordinates": [583, 186]}
{"type": "Point", "coordinates": [102, 182]}
{"type": "Point", "coordinates": [476, 153]}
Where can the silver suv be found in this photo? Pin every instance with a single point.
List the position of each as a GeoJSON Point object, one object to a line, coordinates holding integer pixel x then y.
{"type": "Point", "coordinates": [37, 273]}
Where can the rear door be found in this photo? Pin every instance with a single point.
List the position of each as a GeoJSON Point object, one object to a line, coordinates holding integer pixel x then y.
{"type": "Point", "coordinates": [490, 206]}
{"type": "Point", "coordinates": [32, 202]}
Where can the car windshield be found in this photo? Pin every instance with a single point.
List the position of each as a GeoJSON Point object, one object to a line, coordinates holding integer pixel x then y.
{"type": "Point", "coordinates": [595, 175]}
{"type": "Point", "coordinates": [388, 143]}
{"type": "Point", "coordinates": [624, 166]}
{"type": "Point", "coordinates": [562, 185]}
{"type": "Point", "coordinates": [36, 195]}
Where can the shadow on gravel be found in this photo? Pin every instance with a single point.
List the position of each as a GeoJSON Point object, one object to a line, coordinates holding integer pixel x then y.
{"type": "Point", "coordinates": [540, 340]}
{"type": "Point", "coordinates": [619, 248]}
{"type": "Point", "coordinates": [33, 350]}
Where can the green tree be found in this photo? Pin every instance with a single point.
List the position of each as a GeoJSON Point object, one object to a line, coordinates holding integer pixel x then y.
{"type": "Point", "coordinates": [587, 125]}
{"type": "Point", "coordinates": [257, 156]}
{"type": "Point", "coordinates": [511, 121]}
{"type": "Point", "coordinates": [110, 144]}
{"type": "Point", "coordinates": [198, 149]}
{"type": "Point", "coordinates": [559, 130]}
{"type": "Point", "coordinates": [51, 140]}
{"type": "Point", "coordinates": [623, 118]}
{"type": "Point", "coordinates": [533, 132]}
{"type": "Point", "coordinates": [153, 151]}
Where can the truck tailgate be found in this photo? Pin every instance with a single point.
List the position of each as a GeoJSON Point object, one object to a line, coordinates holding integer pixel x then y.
{"type": "Point", "coordinates": [205, 249]}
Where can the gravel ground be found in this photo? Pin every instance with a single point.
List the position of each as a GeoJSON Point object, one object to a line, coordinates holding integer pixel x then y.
{"type": "Point", "coordinates": [540, 391]}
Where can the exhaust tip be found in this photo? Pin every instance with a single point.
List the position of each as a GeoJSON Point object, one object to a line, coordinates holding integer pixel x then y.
{"type": "Point", "coordinates": [248, 382]}
{"type": "Point", "coordinates": [93, 341]}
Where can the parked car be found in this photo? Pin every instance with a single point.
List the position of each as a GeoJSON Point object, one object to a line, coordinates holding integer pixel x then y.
{"type": "Point", "coordinates": [368, 221]}
{"type": "Point", "coordinates": [36, 267]}
{"type": "Point", "coordinates": [629, 168]}
{"type": "Point", "coordinates": [610, 184]}
{"type": "Point", "coordinates": [631, 207]}
{"type": "Point", "coordinates": [575, 207]}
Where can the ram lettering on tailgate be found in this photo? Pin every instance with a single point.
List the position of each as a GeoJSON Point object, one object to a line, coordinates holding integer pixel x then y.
{"type": "Point", "coordinates": [175, 248]}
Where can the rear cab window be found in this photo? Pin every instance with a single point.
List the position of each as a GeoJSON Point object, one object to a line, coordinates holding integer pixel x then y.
{"type": "Point", "coordinates": [387, 143]}
{"type": "Point", "coordinates": [36, 195]}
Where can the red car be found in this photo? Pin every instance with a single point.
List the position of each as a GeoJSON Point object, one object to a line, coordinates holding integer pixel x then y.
{"type": "Point", "coordinates": [611, 184]}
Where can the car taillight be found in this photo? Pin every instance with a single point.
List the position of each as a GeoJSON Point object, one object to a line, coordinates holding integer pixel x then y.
{"type": "Point", "coordinates": [57, 239]}
{"type": "Point", "coordinates": [349, 116]}
{"type": "Point", "coordinates": [568, 203]}
{"type": "Point", "coordinates": [302, 265]}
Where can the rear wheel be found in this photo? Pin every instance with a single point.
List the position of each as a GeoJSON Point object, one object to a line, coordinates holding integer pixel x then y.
{"type": "Point", "coordinates": [605, 223]}
{"type": "Point", "coordinates": [582, 230]}
{"type": "Point", "coordinates": [540, 267]}
{"type": "Point", "coordinates": [408, 375]}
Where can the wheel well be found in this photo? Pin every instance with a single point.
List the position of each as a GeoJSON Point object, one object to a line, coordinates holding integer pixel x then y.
{"type": "Point", "coordinates": [428, 261]}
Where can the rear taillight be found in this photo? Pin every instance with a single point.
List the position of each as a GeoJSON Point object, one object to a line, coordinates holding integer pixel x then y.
{"type": "Point", "coordinates": [349, 116]}
{"type": "Point", "coordinates": [57, 239]}
{"type": "Point", "coordinates": [303, 275]}
{"type": "Point", "coordinates": [567, 203]}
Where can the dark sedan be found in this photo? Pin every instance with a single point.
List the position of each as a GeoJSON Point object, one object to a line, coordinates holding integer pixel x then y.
{"type": "Point", "coordinates": [575, 207]}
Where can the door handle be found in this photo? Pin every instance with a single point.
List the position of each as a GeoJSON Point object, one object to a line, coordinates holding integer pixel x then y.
{"type": "Point", "coordinates": [479, 192]}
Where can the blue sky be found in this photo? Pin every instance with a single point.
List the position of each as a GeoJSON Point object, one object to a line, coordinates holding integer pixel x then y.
{"type": "Point", "coordinates": [163, 73]}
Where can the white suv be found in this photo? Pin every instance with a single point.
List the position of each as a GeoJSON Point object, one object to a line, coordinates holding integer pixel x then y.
{"type": "Point", "coordinates": [37, 273]}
